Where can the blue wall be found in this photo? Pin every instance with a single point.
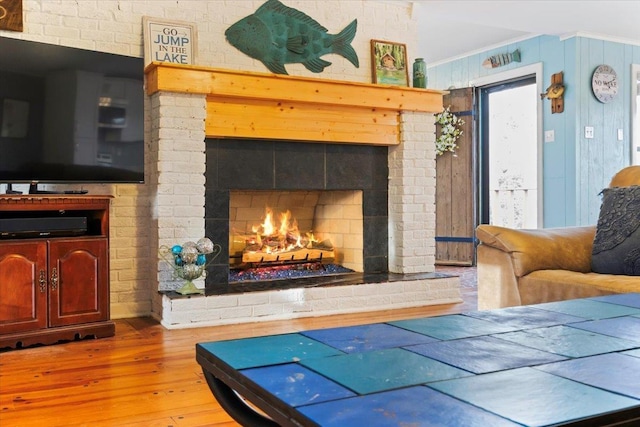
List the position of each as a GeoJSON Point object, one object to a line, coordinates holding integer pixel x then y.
{"type": "Point", "coordinates": [575, 169]}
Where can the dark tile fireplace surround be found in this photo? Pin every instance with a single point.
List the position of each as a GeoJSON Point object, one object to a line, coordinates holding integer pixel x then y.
{"type": "Point", "coordinates": [239, 164]}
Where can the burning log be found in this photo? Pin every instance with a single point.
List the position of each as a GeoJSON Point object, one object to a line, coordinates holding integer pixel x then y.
{"type": "Point", "coordinates": [284, 243]}
{"type": "Point", "coordinates": [297, 254]}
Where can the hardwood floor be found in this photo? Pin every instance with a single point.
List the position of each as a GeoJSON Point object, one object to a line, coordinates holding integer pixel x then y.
{"type": "Point", "coordinates": [145, 375]}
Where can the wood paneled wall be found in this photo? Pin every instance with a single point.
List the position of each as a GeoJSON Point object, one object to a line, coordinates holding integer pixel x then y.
{"type": "Point", "coordinates": [575, 169]}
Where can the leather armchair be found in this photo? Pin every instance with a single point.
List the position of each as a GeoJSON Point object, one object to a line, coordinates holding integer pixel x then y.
{"type": "Point", "coordinates": [517, 267]}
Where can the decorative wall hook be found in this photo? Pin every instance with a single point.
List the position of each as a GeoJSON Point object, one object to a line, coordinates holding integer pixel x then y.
{"type": "Point", "coordinates": [555, 93]}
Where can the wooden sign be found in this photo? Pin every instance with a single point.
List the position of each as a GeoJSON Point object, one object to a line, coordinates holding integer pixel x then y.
{"type": "Point", "coordinates": [169, 41]}
{"type": "Point", "coordinates": [11, 15]}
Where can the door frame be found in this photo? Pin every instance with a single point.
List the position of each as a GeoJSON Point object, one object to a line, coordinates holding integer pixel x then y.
{"type": "Point", "coordinates": [516, 73]}
{"type": "Point", "coordinates": [635, 120]}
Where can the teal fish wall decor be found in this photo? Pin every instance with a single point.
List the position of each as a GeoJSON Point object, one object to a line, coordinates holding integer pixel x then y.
{"type": "Point", "coordinates": [277, 35]}
{"type": "Point", "coordinates": [499, 60]}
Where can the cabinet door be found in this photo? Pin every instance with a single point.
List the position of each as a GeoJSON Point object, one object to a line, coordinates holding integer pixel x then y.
{"type": "Point", "coordinates": [78, 281]}
{"type": "Point", "coordinates": [23, 286]}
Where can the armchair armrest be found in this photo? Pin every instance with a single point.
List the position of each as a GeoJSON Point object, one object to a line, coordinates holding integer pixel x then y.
{"type": "Point", "coordinates": [566, 248]}
{"type": "Point", "coordinates": [505, 255]}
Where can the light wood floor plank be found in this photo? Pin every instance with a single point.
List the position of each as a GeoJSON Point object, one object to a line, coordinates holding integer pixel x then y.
{"type": "Point", "coordinates": [144, 376]}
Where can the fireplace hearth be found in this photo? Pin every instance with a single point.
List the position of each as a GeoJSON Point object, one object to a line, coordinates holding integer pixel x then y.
{"type": "Point", "coordinates": [248, 175]}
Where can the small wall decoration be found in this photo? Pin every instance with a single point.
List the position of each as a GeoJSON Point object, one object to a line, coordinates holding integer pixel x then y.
{"type": "Point", "coordinates": [11, 15]}
{"type": "Point", "coordinates": [555, 93]}
{"type": "Point", "coordinates": [277, 35]}
{"type": "Point", "coordinates": [499, 60]}
{"type": "Point", "coordinates": [449, 131]}
{"type": "Point", "coordinates": [169, 41]}
{"type": "Point", "coordinates": [389, 63]}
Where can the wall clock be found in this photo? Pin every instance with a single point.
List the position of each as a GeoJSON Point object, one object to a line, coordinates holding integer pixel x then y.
{"type": "Point", "coordinates": [604, 83]}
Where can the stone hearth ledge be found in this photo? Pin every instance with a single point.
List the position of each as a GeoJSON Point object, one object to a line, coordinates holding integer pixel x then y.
{"type": "Point", "coordinates": [414, 290]}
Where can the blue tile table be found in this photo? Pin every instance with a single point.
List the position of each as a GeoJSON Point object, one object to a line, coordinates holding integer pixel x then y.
{"type": "Point", "coordinates": [568, 363]}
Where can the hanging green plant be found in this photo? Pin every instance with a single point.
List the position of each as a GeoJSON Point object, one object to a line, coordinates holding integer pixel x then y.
{"type": "Point", "coordinates": [449, 131]}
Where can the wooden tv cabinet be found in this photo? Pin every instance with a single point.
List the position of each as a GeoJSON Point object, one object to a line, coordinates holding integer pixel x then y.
{"type": "Point", "coordinates": [54, 281]}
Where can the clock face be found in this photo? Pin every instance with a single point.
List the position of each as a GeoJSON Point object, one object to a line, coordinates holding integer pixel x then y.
{"type": "Point", "coordinates": [604, 83]}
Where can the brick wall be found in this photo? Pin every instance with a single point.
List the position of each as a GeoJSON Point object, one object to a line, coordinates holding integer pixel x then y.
{"type": "Point", "coordinates": [168, 209]}
{"type": "Point", "coordinates": [339, 216]}
{"type": "Point", "coordinates": [412, 184]}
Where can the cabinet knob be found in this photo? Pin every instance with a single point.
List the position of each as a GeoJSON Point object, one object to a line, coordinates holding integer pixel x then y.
{"type": "Point", "coordinates": [54, 279]}
{"type": "Point", "coordinates": [42, 281]}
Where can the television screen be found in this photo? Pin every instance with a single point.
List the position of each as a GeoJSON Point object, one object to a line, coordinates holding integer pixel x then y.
{"type": "Point", "coordinates": [69, 115]}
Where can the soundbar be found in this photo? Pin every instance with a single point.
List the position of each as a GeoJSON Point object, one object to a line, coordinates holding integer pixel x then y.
{"type": "Point", "coordinates": [12, 228]}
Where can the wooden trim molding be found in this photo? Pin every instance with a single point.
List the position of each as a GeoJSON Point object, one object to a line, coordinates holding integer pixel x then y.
{"type": "Point", "coordinates": [244, 104]}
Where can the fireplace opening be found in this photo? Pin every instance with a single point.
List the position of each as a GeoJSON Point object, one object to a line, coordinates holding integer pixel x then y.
{"type": "Point", "coordinates": [283, 235]}
{"type": "Point", "coordinates": [237, 166]}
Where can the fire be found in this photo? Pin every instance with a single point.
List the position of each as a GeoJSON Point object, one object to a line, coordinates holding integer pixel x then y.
{"type": "Point", "coordinates": [271, 237]}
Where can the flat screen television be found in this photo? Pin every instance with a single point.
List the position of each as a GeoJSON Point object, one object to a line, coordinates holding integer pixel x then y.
{"type": "Point", "coordinates": [69, 115]}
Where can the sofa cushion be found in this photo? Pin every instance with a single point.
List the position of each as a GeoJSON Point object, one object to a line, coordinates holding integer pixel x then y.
{"type": "Point", "coordinates": [559, 285]}
{"type": "Point", "coordinates": [616, 246]}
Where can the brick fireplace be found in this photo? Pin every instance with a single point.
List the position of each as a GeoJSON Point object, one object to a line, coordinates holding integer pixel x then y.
{"type": "Point", "coordinates": [259, 132]}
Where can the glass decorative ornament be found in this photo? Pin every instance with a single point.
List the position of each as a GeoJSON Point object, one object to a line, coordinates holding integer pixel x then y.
{"type": "Point", "coordinates": [189, 262]}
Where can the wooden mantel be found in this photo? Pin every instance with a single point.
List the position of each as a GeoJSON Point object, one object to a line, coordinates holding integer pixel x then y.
{"type": "Point", "coordinates": [243, 104]}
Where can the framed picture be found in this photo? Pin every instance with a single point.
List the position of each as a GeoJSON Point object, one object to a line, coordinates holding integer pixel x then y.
{"type": "Point", "coordinates": [11, 15]}
{"type": "Point", "coordinates": [389, 63]}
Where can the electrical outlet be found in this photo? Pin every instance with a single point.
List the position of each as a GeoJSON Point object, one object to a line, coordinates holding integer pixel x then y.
{"type": "Point", "coordinates": [620, 135]}
{"type": "Point", "coordinates": [588, 132]}
{"type": "Point", "coordinates": [549, 136]}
